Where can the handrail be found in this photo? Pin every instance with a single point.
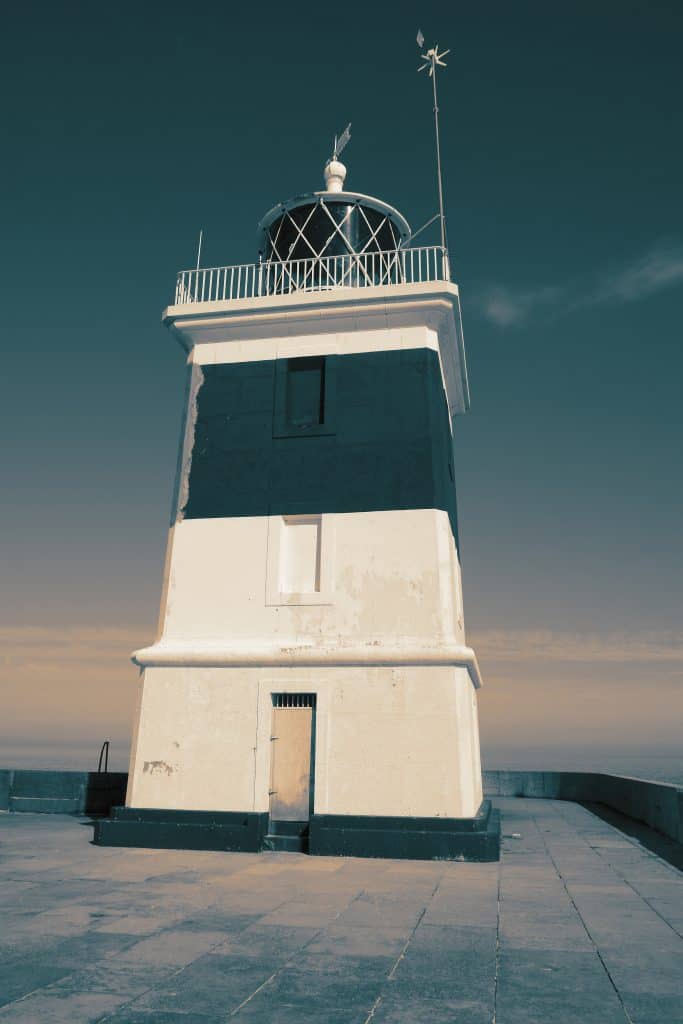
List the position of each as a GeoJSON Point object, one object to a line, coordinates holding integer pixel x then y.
{"type": "Point", "coordinates": [317, 274]}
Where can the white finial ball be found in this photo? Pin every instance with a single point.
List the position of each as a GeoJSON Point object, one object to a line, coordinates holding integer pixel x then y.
{"type": "Point", "coordinates": [335, 172]}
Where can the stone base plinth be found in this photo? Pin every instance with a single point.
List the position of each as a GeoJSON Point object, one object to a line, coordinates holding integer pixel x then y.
{"type": "Point", "coordinates": [470, 839]}
{"type": "Point", "coordinates": [163, 829]}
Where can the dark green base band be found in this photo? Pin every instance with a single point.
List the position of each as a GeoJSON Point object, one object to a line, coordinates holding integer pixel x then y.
{"type": "Point", "coordinates": [470, 839]}
{"type": "Point", "coordinates": [182, 830]}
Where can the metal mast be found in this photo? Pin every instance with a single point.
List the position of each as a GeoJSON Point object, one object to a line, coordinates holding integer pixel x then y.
{"type": "Point", "coordinates": [433, 59]}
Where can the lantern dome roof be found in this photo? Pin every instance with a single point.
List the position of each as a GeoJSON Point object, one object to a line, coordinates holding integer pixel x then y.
{"type": "Point", "coordinates": [332, 222]}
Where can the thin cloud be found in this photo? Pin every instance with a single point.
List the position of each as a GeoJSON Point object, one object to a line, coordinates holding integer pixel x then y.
{"type": "Point", "coordinates": [557, 646]}
{"type": "Point", "coordinates": [507, 308]}
{"type": "Point", "coordinates": [66, 686]}
{"type": "Point", "coordinates": [22, 647]}
{"type": "Point", "coordinates": [657, 270]}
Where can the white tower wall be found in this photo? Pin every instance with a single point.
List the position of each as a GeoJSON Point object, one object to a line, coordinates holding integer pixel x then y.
{"type": "Point", "coordinates": [376, 633]}
{"type": "Point", "coordinates": [389, 741]}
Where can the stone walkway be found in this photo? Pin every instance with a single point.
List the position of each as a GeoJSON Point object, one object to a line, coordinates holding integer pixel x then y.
{"type": "Point", "coordinates": [578, 923]}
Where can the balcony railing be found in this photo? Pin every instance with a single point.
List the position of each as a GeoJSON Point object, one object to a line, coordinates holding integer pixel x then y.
{"type": "Point", "coordinates": [317, 274]}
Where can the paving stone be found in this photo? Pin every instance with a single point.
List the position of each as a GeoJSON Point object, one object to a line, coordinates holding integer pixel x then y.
{"type": "Point", "coordinates": [20, 977]}
{"type": "Point", "coordinates": [535, 987]}
{"type": "Point", "coordinates": [454, 938]}
{"type": "Point", "coordinates": [380, 913]}
{"type": "Point", "coordinates": [130, 1015]}
{"type": "Point", "coordinates": [648, 972]}
{"type": "Point", "coordinates": [269, 1007]}
{"type": "Point", "coordinates": [55, 1008]}
{"type": "Point", "coordinates": [372, 970]}
{"type": "Point", "coordinates": [301, 914]}
{"type": "Point", "coordinates": [653, 1007]}
{"type": "Point", "coordinates": [672, 914]}
{"type": "Point", "coordinates": [66, 952]}
{"type": "Point", "coordinates": [172, 948]}
{"type": "Point", "coordinates": [134, 924]}
{"type": "Point", "coordinates": [342, 940]}
{"type": "Point", "coordinates": [211, 985]}
{"type": "Point", "coordinates": [277, 941]}
{"type": "Point", "coordinates": [448, 975]}
{"type": "Point", "coordinates": [402, 1009]}
{"type": "Point", "coordinates": [315, 995]}
{"type": "Point", "coordinates": [218, 920]}
{"type": "Point", "coordinates": [111, 976]}
{"type": "Point", "coordinates": [9, 893]}
{"type": "Point", "coordinates": [538, 927]}
{"type": "Point", "coordinates": [15, 945]}
{"type": "Point", "coordinates": [90, 946]}
{"type": "Point", "coordinates": [452, 906]}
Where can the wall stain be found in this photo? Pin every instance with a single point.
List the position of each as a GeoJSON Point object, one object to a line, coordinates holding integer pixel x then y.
{"type": "Point", "coordinates": [158, 768]}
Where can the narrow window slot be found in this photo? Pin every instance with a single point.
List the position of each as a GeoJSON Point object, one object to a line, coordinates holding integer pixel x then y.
{"type": "Point", "coordinates": [300, 555]}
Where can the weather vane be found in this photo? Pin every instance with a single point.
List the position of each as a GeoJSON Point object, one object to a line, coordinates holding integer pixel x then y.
{"type": "Point", "coordinates": [340, 142]}
{"type": "Point", "coordinates": [433, 60]}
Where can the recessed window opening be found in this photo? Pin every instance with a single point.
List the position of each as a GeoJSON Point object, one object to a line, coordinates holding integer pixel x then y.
{"type": "Point", "coordinates": [305, 392]}
{"type": "Point", "coordinates": [300, 555]}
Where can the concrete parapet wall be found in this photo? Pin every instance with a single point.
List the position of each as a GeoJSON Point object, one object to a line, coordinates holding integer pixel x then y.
{"type": "Point", "coordinates": [656, 804]}
{"type": "Point", "coordinates": [61, 792]}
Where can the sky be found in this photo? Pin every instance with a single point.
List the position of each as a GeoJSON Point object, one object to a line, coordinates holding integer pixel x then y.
{"type": "Point", "coordinates": [126, 128]}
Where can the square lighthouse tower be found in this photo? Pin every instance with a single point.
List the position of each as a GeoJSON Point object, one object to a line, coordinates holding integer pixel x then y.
{"type": "Point", "coordinates": [311, 687]}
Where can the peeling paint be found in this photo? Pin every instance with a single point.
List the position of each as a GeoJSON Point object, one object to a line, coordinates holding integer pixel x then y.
{"type": "Point", "coordinates": [188, 444]}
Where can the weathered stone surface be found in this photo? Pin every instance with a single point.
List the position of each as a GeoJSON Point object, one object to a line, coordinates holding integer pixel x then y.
{"type": "Point", "coordinates": [577, 923]}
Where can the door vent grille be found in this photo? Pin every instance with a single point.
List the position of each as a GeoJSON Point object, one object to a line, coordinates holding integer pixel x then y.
{"type": "Point", "coordinates": [293, 700]}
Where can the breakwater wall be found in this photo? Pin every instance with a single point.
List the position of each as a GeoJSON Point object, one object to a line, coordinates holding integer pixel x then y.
{"type": "Point", "coordinates": [656, 804]}
{"type": "Point", "coordinates": [56, 792]}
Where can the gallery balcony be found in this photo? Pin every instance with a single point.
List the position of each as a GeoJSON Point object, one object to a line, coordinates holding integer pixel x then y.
{"type": "Point", "coordinates": [397, 267]}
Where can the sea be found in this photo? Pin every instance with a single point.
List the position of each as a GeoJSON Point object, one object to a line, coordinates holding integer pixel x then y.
{"type": "Point", "coordinates": [655, 764]}
{"type": "Point", "coordinates": [658, 764]}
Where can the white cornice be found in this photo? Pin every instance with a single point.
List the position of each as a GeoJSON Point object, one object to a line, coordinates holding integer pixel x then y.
{"type": "Point", "coordinates": [297, 655]}
{"type": "Point", "coordinates": [314, 303]}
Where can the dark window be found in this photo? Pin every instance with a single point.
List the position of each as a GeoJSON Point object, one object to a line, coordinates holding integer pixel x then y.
{"type": "Point", "coordinates": [305, 394]}
{"type": "Point", "coordinates": [304, 399]}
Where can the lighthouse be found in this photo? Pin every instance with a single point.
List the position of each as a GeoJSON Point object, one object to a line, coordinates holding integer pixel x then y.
{"type": "Point", "coordinates": [310, 687]}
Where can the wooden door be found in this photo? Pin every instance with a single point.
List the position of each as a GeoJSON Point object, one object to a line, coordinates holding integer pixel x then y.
{"type": "Point", "coordinates": [291, 776]}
